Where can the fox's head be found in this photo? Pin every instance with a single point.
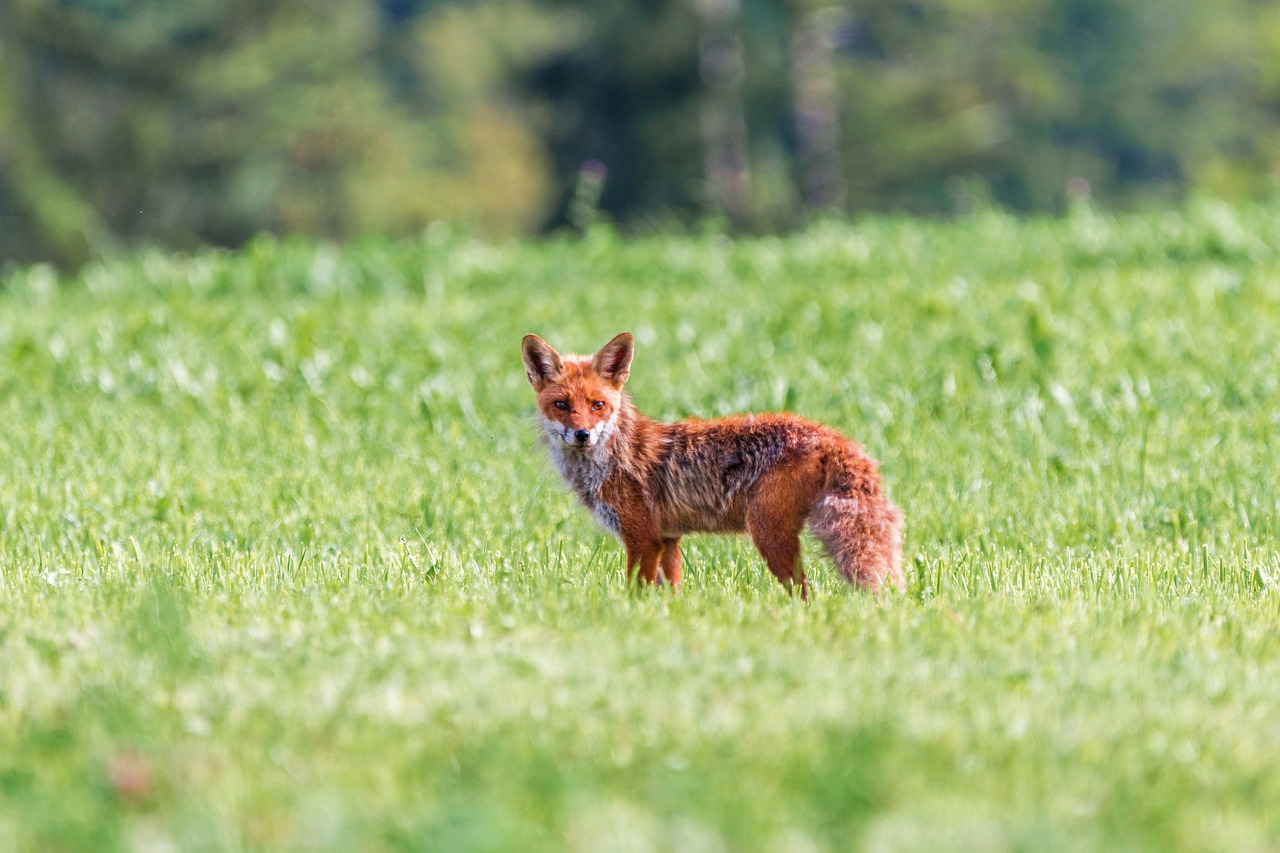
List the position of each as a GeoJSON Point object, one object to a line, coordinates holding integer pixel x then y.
{"type": "Point", "coordinates": [578, 396]}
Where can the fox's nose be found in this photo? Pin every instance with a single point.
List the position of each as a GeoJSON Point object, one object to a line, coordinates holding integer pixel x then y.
{"type": "Point", "coordinates": [581, 436]}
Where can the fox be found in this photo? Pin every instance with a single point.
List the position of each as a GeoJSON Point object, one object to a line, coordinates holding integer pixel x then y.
{"type": "Point", "coordinates": [768, 475]}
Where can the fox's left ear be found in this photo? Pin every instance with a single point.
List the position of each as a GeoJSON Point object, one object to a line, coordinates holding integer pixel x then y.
{"type": "Point", "coordinates": [613, 362]}
{"type": "Point", "coordinates": [542, 364]}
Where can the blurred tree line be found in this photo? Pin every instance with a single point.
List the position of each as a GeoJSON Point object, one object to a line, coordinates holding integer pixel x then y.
{"type": "Point", "coordinates": [207, 121]}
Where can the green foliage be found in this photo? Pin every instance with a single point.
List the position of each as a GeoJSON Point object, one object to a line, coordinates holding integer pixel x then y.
{"type": "Point", "coordinates": [942, 107]}
{"type": "Point", "coordinates": [210, 122]}
{"type": "Point", "coordinates": [282, 567]}
{"type": "Point", "coordinates": [150, 122]}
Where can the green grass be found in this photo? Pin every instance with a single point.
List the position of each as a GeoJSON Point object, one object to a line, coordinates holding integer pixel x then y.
{"type": "Point", "coordinates": [283, 567]}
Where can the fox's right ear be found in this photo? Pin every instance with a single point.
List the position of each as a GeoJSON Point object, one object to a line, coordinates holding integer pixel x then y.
{"type": "Point", "coordinates": [613, 362]}
{"type": "Point", "coordinates": [542, 363]}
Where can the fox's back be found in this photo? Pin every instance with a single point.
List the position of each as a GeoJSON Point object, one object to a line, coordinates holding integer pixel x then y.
{"type": "Point", "coordinates": [706, 469]}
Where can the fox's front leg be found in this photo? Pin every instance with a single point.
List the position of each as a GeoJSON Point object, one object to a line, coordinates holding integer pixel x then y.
{"type": "Point", "coordinates": [643, 553]}
{"type": "Point", "coordinates": [671, 561]}
{"type": "Point", "coordinates": [637, 527]}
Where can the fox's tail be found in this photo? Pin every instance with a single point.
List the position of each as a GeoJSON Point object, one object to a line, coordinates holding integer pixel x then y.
{"type": "Point", "coordinates": [854, 519]}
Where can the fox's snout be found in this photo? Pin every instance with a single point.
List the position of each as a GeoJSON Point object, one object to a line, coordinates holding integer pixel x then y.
{"type": "Point", "coordinates": [577, 437]}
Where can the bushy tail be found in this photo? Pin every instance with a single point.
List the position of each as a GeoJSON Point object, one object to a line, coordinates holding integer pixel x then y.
{"type": "Point", "coordinates": [860, 527]}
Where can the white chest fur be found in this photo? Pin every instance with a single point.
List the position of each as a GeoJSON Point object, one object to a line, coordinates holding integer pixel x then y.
{"type": "Point", "coordinates": [585, 471]}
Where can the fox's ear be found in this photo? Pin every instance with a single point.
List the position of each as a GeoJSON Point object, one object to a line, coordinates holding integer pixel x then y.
{"type": "Point", "coordinates": [613, 362]}
{"type": "Point", "coordinates": [542, 363]}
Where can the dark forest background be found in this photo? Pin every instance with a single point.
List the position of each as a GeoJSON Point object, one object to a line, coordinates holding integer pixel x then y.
{"type": "Point", "coordinates": [128, 122]}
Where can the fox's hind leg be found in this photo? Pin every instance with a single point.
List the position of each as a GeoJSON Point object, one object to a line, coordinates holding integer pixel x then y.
{"type": "Point", "coordinates": [671, 561]}
{"type": "Point", "coordinates": [776, 512]}
{"type": "Point", "coordinates": [781, 554]}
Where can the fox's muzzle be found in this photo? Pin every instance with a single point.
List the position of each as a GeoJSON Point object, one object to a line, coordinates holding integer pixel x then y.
{"type": "Point", "coordinates": [579, 438]}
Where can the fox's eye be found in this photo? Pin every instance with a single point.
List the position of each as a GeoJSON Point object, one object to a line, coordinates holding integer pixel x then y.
{"type": "Point", "coordinates": [562, 405]}
{"type": "Point", "coordinates": [597, 405]}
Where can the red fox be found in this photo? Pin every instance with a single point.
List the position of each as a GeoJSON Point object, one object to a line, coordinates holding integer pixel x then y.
{"type": "Point", "coordinates": [650, 483]}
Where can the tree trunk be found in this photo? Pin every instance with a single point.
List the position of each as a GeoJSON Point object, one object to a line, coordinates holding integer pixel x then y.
{"type": "Point", "coordinates": [817, 109]}
{"type": "Point", "coordinates": [724, 123]}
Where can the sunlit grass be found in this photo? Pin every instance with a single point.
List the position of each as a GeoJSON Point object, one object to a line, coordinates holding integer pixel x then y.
{"type": "Point", "coordinates": [282, 566]}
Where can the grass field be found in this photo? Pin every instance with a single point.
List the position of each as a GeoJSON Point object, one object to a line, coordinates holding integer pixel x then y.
{"type": "Point", "coordinates": [282, 566]}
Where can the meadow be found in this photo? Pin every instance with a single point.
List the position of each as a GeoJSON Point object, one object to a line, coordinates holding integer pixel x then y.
{"type": "Point", "coordinates": [283, 567]}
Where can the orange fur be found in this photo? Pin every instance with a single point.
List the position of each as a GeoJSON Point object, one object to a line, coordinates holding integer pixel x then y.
{"type": "Point", "coordinates": [769, 475]}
